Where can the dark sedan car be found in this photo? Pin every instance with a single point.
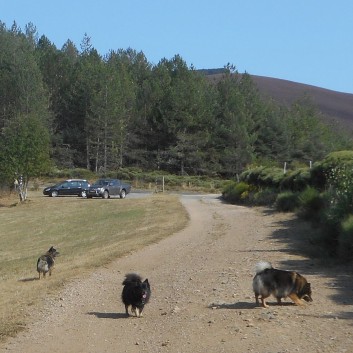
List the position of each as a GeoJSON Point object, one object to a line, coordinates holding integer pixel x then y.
{"type": "Point", "coordinates": [106, 188]}
{"type": "Point", "coordinates": [78, 187]}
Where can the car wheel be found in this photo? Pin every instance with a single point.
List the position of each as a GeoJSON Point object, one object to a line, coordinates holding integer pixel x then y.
{"type": "Point", "coordinates": [105, 194]}
{"type": "Point", "coordinates": [83, 193]}
{"type": "Point", "coordinates": [123, 194]}
{"type": "Point", "coordinates": [54, 193]}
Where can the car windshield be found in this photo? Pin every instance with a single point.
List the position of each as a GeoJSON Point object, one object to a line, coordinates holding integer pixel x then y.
{"type": "Point", "coordinates": [101, 182]}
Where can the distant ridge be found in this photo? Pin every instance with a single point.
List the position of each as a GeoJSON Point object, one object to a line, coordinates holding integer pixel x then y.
{"type": "Point", "coordinates": [337, 107]}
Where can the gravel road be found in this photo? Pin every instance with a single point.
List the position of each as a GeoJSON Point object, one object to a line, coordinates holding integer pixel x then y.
{"type": "Point", "coordinates": [202, 298]}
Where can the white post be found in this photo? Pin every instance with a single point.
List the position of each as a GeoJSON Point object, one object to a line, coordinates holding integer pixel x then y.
{"type": "Point", "coordinates": [163, 184]}
{"type": "Point", "coordinates": [285, 168]}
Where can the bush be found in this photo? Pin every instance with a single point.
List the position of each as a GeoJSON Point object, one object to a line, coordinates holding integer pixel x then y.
{"type": "Point", "coordinates": [321, 170]}
{"type": "Point", "coordinates": [287, 202]}
{"type": "Point", "coordinates": [345, 240]}
{"type": "Point", "coordinates": [312, 204]}
{"type": "Point", "coordinates": [236, 192]}
{"type": "Point", "coordinates": [340, 193]}
{"type": "Point", "coordinates": [77, 173]}
{"type": "Point", "coordinates": [263, 197]}
{"type": "Point", "coordinates": [296, 180]}
{"type": "Point", "coordinates": [263, 176]}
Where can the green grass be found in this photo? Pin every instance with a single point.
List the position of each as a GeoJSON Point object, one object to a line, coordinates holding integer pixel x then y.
{"type": "Point", "coordinates": [88, 233]}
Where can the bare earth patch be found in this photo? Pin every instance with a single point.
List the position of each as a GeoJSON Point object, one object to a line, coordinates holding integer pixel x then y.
{"type": "Point", "coordinates": [202, 299]}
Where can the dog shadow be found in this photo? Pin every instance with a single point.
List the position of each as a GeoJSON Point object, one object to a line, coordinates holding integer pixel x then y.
{"type": "Point", "coordinates": [107, 315]}
{"type": "Point", "coordinates": [29, 279]}
{"type": "Point", "coordinates": [238, 305]}
{"type": "Point", "coordinates": [246, 305]}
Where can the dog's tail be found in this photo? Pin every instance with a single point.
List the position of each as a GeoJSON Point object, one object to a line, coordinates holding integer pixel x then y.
{"type": "Point", "coordinates": [42, 265]}
{"type": "Point", "coordinates": [132, 278]}
{"type": "Point", "coordinates": [262, 266]}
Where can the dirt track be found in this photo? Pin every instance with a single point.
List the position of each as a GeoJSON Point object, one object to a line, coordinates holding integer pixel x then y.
{"type": "Point", "coordinates": [202, 299]}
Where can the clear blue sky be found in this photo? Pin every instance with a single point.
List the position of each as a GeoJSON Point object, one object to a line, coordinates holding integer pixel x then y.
{"type": "Point", "coordinates": [307, 41]}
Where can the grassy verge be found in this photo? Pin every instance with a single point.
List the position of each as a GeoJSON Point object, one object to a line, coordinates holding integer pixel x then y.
{"type": "Point", "coordinates": [87, 233]}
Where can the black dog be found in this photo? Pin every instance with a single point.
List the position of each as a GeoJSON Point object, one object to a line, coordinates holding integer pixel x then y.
{"type": "Point", "coordinates": [46, 262]}
{"type": "Point", "coordinates": [135, 293]}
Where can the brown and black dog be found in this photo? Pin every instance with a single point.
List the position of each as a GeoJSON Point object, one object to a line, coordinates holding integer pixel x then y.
{"type": "Point", "coordinates": [46, 262]}
{"type": "Point", "coordinates": [281, 284]}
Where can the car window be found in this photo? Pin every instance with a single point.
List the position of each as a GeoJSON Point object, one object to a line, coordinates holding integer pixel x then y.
{"type": "Point", "coordinates": [64, 185]}
{"type": "Point", "coordinates": [74, 184]}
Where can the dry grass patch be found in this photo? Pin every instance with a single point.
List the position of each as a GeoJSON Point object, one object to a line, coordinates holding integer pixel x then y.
{"type": "Point", "coordinates": [87, 232]}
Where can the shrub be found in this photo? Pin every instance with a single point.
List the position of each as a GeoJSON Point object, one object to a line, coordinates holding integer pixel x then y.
{"type": "Point", "coordinates": [345, 240]}
{"type": "Point", "coordinates": [312, 204]}
{"type": "Point", "coordinates": [340, 193]}
{"type": "Point", "coordinates": [322, 169]}
{"type": "Point", "coordinates": [287, 201]}
{"type": "Point", "coordinates": [296, 180]}
{"type": "Point", "coordinates": [127, 173]}
{"type": "Point", "coordinates": [79, 173]}
{"type": "Point", "coordinates": [263, 197]}
{"type": "Point", "coordinates": [35, 185]}
{"type": "Point", "coordinates": [263, 176]}
{"type": "Point", "coordinates": [236, 192]}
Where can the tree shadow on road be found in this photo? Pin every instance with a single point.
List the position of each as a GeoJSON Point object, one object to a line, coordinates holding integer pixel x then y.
{"type": "Point", "coordinates": [297, 237]}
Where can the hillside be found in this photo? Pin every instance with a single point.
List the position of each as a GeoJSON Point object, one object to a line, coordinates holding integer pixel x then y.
{"type": "Point", "coordinates": [337, 107]}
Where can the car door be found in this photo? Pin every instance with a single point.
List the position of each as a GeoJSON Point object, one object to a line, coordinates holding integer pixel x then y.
{"type": "Point", "coordinates": [64, 188]}
{"type": "Point", "coordinates": [75, 188]}
{"type": "Point", "coordinates": [81, 186]}
{"type": "Point", "coordinates": [114, 188]}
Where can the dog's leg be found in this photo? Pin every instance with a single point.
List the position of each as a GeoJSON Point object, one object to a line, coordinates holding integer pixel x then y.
{"type": "Point", "coordinates": [257, 299]}
{"type": "Point", "coordinates": [264, 302]}
{"type": "Point", "coordinates": [137, 312]}
{"type": "Point", "coordinates": [127, 310]}
{"type": "Point", "coordinates": [296, 299]}
{"type": "Point", "coordinates": [279, 302]}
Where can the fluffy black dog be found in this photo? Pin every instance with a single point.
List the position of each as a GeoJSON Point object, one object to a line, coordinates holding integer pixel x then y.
{"type": "Point", "coordinates": [135, 293]}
